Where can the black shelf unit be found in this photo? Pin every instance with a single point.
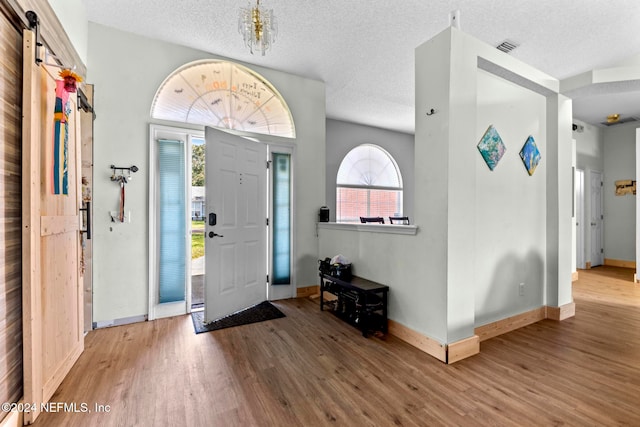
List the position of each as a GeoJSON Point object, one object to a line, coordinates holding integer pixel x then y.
{"type": "Point", "coordinates": [360, 302]}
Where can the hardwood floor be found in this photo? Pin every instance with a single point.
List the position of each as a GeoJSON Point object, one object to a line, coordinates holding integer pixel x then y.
{"type": "Point", "coordinates": [311, 369]}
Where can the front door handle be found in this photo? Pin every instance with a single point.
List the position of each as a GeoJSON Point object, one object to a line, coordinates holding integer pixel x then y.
{"type": "Point", "coordinates": [212, 234]}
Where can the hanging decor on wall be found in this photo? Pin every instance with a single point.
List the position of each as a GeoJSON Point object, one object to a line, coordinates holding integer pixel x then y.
{"type": "Point", "coordinates": [62, 109]}
{"type": "Point", "coordinates": [491, 147]}
{"type": "Point", "coordinates": [625, 186]}
{"type": "Point", "coordinates": [530, 155]}
{"type": "Point", "coordinates": [119, 176]}
{"type": "Point", "coordinates": [71, 80]}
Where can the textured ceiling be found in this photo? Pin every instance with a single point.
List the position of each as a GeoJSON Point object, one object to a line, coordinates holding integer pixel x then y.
{"type": "Point", "coordinates": [364, 50]}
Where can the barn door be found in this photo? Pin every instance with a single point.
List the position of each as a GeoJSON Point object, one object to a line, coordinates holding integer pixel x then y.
{"type": "Point", "coordinates": [10, 215]}
{"type": "Point", "coordinates": [52, 280]}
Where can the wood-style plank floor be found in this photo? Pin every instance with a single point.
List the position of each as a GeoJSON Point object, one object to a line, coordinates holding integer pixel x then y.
{"type": "Point", "coordinates": [311, 369]}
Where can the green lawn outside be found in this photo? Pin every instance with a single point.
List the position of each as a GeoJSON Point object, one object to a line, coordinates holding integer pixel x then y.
{"type": "Point", "coordinates": [197, 224]}
{"type": "Point", "coordinates": [197, 245]}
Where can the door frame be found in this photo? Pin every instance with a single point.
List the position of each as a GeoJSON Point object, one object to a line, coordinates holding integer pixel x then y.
{"type": "Point", "coordinates": [157, 310]}
{"type": "Point", "coordinates": [276, 292]}
{"type": "Point", "coordinates": [275, 144]}
{"type": "Point", "coordinates": [579, 218]}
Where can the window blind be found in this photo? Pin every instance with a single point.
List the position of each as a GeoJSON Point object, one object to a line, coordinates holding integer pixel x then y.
{"type": "Point", "coordinates": [281, 268]}
{"type": "Point", "coordinates": [172, 221]}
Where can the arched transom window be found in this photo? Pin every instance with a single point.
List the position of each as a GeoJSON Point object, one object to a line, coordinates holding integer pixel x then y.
{"type": "Point", "coordinates": [223, 94]}
{"type": "Point", "coordinates": [368, 184]}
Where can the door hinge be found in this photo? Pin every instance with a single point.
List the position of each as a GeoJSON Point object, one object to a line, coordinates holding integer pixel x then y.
{"type": "Point", "coordinates": [267, 221]}
{"type": "Point", "coordinates": [268, 164]}
{"type": "Point", "coordinates": [601, 250]}
{"type": "Point", "coordinates": [267, 278]}
{"type": "Point", "coordinates": [601, 216]}
{"type": "Point", "coordinates": [601, 183]}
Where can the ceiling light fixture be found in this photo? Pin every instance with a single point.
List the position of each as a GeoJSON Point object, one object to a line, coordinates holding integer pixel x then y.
{"type": "Point", "coordinates": [613, 118]}
{"type": "Point", "coordinates": [258, 27]}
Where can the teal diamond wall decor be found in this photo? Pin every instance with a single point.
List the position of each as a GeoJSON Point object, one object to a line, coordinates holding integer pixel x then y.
{"type": "Point", "coordinates": [491, 147]}
{"type": "Point", "coordinates": [530, 155]}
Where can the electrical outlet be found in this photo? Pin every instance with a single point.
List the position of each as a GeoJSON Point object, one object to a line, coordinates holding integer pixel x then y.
{"type": "Point", "coordinates": [521, 289]}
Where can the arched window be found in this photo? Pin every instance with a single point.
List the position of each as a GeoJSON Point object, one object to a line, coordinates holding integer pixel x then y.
{"type": "Point", "coordinates": [368, 184]}
{"type": "Point", "coordinates": [223, 94]}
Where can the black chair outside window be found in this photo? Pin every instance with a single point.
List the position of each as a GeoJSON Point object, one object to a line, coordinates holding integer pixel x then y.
{"type": "Point", "coordinates": [376, 219]}
{"type": "Point", "coordinates": [404, 220]}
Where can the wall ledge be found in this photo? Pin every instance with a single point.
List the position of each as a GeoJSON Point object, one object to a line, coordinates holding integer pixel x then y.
{"type": "Point", "coordinates": [371, 228]}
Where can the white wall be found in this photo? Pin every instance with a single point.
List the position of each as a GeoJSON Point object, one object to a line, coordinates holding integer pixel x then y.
{"type": "Point", "coordinates": [342, 137]}
{"type": "Point", "coordinates": [480, 233]}
{"type": "Point", "coordinates": [637, 275]}
{"type": "Point", "coordinates": [510, 209]}
{"type": "Point", "coordinates": [73, 17]}
{"type": "Point", "coordinates": [127, 70]}
{"type": "Point", "coordinates": [619, 211]}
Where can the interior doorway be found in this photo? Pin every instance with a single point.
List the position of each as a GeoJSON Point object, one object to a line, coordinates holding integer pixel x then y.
{"type": "Point", "coordinates": [597, 219]}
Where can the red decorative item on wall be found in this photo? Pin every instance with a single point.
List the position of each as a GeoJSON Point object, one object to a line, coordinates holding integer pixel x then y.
{"type": "Point", "coordinates": [70, 79]}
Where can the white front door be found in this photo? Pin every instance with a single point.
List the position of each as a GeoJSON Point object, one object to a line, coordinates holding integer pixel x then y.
{"type": "Point", "coordinates": [597, 244]}
{"type": "Point", "coordinates": [235, 224]}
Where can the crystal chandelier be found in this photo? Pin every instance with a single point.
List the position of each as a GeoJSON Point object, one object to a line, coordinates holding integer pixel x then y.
{"type": "Point", "coordinates": [258, 27]}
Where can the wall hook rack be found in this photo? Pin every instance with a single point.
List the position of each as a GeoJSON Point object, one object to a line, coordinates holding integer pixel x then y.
{"type": "Point", "coordinates": [115, 176]}
{"type": "Point", "coordinates": [120, 177]}
{"type": "Point", "coordinates": [431, 112]}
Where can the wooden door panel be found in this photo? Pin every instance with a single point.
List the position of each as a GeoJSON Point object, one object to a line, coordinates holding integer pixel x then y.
{"type": "Point", "coordinates": [52, 280]}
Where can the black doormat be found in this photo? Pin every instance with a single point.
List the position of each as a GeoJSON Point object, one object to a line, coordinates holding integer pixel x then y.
{"type": "Point", "coordinates": [257, 313]}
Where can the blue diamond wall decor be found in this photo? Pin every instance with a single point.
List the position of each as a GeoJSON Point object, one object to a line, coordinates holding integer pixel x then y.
{"type": "Point", "coordinates": [530, 155]}
{"type": "Point", "coordinates": [491, 147]}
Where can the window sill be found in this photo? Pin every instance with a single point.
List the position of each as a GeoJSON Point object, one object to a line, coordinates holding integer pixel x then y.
{"type": "Point", "coordinates": [371, 228]}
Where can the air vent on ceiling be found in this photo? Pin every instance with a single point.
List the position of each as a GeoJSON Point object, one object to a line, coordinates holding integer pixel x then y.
{"type": "Point", "coordinates": [507, 46]}
{"type": "Point", "coordinates": [620, 121]}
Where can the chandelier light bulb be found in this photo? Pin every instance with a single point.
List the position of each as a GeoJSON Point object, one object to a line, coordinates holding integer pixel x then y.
{"type": "Point", "coordinates": [258, 27]}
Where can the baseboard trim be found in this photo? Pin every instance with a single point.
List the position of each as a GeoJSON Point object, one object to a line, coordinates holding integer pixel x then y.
{"type": "Point", "coordinates": [307, 291]}
{"type": "Point", "coordinates": [574, 276]}
{"type": "Point", "coordinates": [13, 418]}
{"type": "Point", "coordinates": [493, 329]}
{"type": "Point", "coordinates": [119, 322]}
{"type": "Point", "coordinates": [418, 340]}
{"type": "Point", "coordinates": [561, 313]}
{"type": "Point", "coordinates": [619, 263]}
{"type": "Point", "coordinates": [462, 349]}
{"type": "Point", "coordinates": [509, 324]}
